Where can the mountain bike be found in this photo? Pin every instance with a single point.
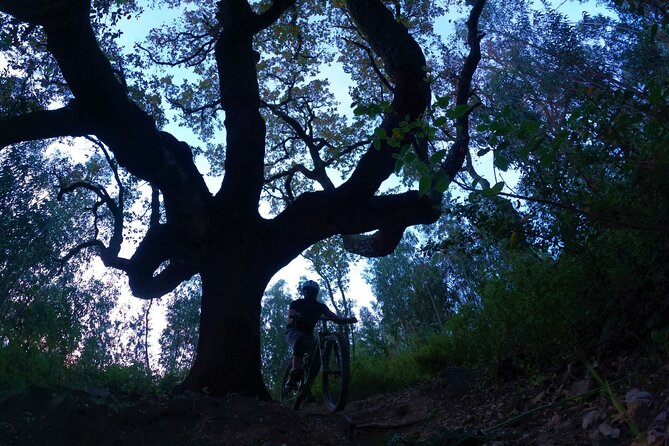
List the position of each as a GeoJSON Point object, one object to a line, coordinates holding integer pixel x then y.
{"type": "Point", "coordinates": [331, 354]}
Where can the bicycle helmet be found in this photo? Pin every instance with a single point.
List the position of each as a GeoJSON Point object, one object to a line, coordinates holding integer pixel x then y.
{"type": "Point", "coordinates": [309, 285]}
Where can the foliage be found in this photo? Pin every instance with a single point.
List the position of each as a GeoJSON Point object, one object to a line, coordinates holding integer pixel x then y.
{"type": "Point", "coordinates": [132, 379]}
{"type": "Point", "coordinates": [373, 374]}
{"type": "Point", "coordinates": [275, 352]}
{"type": "Point", "coordinates": [574, 256]}
{"type": "Point", "coordinates": [368, 332]}
{"type": "Point", "coordinates": [331, 262]}
{"type": "Point", "coordinates": [55, 324]}
{"type": "Point", "coordinates": [179, 336]}
{"type": "Point", "coordinates": [412, 293]}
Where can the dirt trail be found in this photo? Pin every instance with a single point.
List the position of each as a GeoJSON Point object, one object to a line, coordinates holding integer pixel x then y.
{"type": "Point", "coordinates": [455, 409]}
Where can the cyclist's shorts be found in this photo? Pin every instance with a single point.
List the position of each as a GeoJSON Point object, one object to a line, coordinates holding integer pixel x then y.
{"type": "Point", "coordinates": [299, 341]}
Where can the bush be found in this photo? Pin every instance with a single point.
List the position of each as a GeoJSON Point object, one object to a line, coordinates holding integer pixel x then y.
{"type": "Point", "coordinates": [372, 375]}
{"type": "Point", "coordinates": [133, 379]}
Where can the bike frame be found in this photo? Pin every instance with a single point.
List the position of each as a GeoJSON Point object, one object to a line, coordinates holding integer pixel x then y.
{"type": "Point", "coordinates": [318, 352]}
{"type": "Point", "coordinates": [328, 345]}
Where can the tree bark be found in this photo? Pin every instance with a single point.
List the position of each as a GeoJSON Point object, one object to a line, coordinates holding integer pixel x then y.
{"type": "Point", "coordinates": [228, 352]}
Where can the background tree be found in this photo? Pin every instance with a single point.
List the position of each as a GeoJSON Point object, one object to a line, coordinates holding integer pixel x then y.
{"type": "Point", "coordinates": [86, 86]}
{"type": "Point", "coordinates": [561, 257]}
{"type": "Point", "coordinates": [330, 260]}
{"type": "Point", "coordinates": [371, 339]}
{"type": "Point", "coordinates": [275, 352]}
{"type": "Point", "coordinates": [579, 144]}
{"type": "Point", "coordinates": [179, 337]}
{"type": "Point", "coordinates": [55, 323]}
{"type": "Point", "coordinates": [412, 292]}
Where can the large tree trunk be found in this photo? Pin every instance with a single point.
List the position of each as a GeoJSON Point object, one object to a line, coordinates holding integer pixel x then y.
{"type": "Point", "coordinates": [228, 353]}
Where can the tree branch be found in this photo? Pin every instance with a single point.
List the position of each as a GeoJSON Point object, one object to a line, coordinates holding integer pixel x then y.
{"type": "Point", "coordinates": [614, 221]}
{"type": "Point", "coordinates": [405, 63]}
{"type": "Point", "coordinates": [154, 220]}
{"type": "Point", "coordinates": [385, 240]}
{"type": "Point", "coordinates": [352, 208]}
{"type": "Point", "coordinates": [157, 250]}
{"type": "Point", "coordinates": [272, 14]}
{"type": "Point", "coordinates": [116, 209]}
{"type": "Point", "coordinates": [323, 214]}
{"type": "Point", "coordinates": [94, 243]}
{"type": "Point", "coordinates": [372, 62]}
{"type": "Point", "coordinates": [66, 121]}
{"type": "Point", "coordinates": [32, 11]}
{"type": "Point", "coordinates": [117, 121]}
{"type": "Point", "coordinates": [199, 52]}
{"type": "Point", "coordinates": [319, 173]}
{"type": "Point", "coordinates": [456, 155]}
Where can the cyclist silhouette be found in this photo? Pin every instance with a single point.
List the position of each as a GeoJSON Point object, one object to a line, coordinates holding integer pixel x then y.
{"type": "Point", "coordinates": [303, 315]}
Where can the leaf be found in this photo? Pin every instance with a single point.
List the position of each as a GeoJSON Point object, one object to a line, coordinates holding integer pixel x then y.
{"type": "Point", "coordinates": [424, 184]}
{"type": "Point", "coordinates": [457, 111]}
{"type": "Point", "coordinates": [539, 397]}
{"type": "Point", "coordinates": [637, 395]}
{"type": "Point", "coordinates": [590, 418]}
{"type": "Point", "coordinates": [380, 133]}
{"type": "Point", "coordinates": [442, 101]}
{"type": "Point", "coordinates": [442, 184]}
{"type": "Point", "coordinates": [496, 189]}
{"type": "Point", "coordinates": [635, 399]}
{"type": "Point", "coordinates": [441, 120]}
{"type": "Point", "coordinates": [554, 422]}
{"type": "Point", "coordinates": [501, 162]}
{"type": "Point", "coordinates": [398, 166]}
{"type": "Point", "coordinates": [437, 156]}
{"type": "Point", "coordinates": [421, 167]}
{"type": "Point", "coordinates": [661, 337]}
{"type": "Point", "coordinates": [529, 126]}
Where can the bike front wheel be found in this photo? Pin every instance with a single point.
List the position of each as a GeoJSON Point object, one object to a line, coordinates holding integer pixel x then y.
{"type": "Point", "coordinates": [336, 372]}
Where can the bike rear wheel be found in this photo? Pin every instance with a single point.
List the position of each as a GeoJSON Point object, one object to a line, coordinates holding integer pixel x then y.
{"type": "Point", "coordinates": [311, 368]}
{"type": "Point", "coordinates": [336, 372]}
{"type": "Point", "coordinates": [295, 397]}
{"type": "Point", "coordinates": [288, 396]}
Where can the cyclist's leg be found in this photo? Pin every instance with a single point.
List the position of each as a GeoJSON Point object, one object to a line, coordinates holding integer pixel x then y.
{"type": "Point", "coordinates": [301, 343]}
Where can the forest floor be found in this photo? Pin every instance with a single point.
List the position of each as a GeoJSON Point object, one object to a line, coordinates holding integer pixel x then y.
{"type": "Point", "coordinates": [567, 407]}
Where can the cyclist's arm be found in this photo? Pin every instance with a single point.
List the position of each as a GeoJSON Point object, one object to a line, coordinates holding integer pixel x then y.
{"type": "Point", "coordinates": [336, 318]}
{"type": "Point", "coordinates": [293, 316]}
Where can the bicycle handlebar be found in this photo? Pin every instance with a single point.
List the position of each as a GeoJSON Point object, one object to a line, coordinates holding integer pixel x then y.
{"type": "Point", "coordinates": [325, 319]}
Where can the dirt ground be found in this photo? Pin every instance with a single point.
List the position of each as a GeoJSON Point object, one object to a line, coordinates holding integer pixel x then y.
{"type": "Point", "coordinates": [567, 407]}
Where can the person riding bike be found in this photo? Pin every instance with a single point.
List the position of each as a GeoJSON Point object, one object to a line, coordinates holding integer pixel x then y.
{"type": "Point", "coordinates": [303, 315]}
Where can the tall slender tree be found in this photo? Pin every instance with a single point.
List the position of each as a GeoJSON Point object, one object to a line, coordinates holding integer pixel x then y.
{"type": "Point", "coordinates": [274, 347]}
